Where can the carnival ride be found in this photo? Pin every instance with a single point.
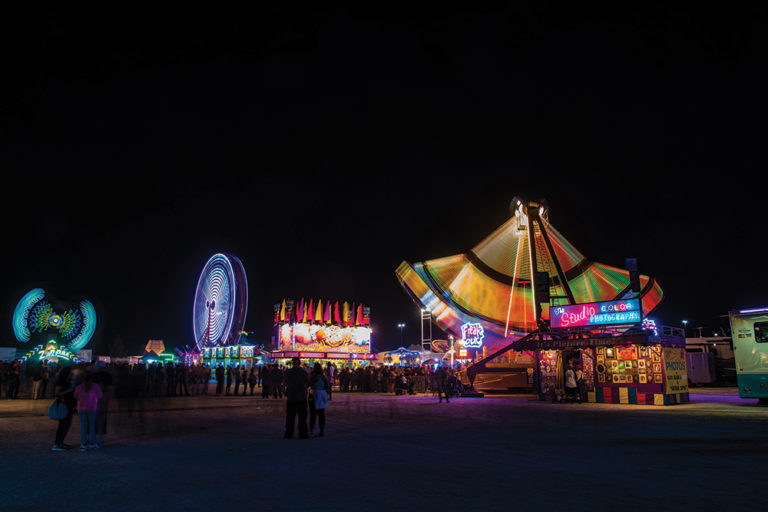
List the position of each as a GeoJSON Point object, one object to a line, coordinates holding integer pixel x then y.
{"type": "Point", "coordinates": [495, 283]}
{"type": "Point", "coordinates": [509, 283]}
{"type": "Point", "coordinates": [35, 316]}
{"type": "Point", "coordinates": [221, 302]}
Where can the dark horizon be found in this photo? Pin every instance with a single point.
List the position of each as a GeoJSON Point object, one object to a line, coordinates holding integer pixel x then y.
{"type": "Point", "coordinates": [324, 147]}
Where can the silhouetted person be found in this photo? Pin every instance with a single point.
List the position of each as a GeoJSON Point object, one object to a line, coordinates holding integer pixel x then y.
{"type": "Point", "coordinates": [296, 383]}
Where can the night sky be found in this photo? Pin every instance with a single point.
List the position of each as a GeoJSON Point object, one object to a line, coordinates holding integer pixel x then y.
{"type": "Point", "coordinates": [324, 147]}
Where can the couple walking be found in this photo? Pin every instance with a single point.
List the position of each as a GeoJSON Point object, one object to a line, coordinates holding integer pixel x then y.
{"type": "Point", "coordinates": [297, 382]}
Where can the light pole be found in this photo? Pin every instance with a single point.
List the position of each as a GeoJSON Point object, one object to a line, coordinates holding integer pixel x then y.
{"type": "Point", "coordinates": [401, 326]}
{"type": "Point", "coordinates": [450, 337]}
{"type": "Point", "coordinates": [685, 327]}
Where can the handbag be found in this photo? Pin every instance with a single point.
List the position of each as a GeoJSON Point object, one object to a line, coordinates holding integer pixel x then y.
{"type": "Point", "coordinates": [58, 410]}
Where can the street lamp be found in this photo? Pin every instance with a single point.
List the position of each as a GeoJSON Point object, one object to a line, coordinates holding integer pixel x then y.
{"type": "Point", "coordinates": [685, 327]}
{"type": "Point", "coordinates": [401, 326]}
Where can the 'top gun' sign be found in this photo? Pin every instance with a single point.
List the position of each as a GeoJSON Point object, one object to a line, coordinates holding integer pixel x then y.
{"type": "Point", "coordinates": [472, 335]}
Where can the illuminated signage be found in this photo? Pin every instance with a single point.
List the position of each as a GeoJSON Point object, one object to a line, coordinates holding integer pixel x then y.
{"type": "Point", "coordinates": [616, 312]}
{"type": "Point", "coordinates": [312, 354]}
{"type": "Point", "coordinates": [338, 355]}
{"type": "Point", "coordinates": [472, 335]}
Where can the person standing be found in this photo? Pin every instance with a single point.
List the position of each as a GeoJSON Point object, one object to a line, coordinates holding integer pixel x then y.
{"type": "Point", "coordinates": [37, 380]}
{"type": "Point", "coordinates": [296, 383]}
{"type": "Point", "coordinates": [442, 384]}
{"type": "Point", "coordinates": [571, 387]}
{"type": "Point", "coordinates": [45, 375]}
{"type": "Point", "coordinates": [87, 395]}
{"type": "Point", "coordinates": [229, 381]}
{"type": "Point", "coordinates": [237, 375]}
{"type": "Point", "coordinates": [206, 378]}
{"type": "Point", "coordinates": [580, 383]}
{"type": "Point", "coordinates": [266, 381]}
{"type": "Point", "coordinates": [64, 391]}
{"type": "Point", "coordinates": [319, 385]}
{"type": "Point", "coordinates": [219, 379]}
{"type": "Point", "coordinates": [170, 377]}
{"type": "Point", "coordinates": [252, 379]}
{"type": "Point", "coordinates": [277, 381]}
{"type": "Point", "coordinates": [104, 380]}
{"type": "Point", "coordinates": [182, 376]}
{"type": "Point", "coordinates": [12, 378]}
{"type": "Point", "coordinates": [331, 370]}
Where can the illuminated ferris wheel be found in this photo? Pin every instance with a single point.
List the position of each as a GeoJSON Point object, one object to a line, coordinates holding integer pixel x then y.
{"type": "Point", "coordinates": [221, 302]}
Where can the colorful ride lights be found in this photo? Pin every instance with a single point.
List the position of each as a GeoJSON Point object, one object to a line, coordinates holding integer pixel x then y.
{"type": "Point", "coordinates": [617, 312]}
{"type": "Point", "coordinates": [35, 315]}
{"type": "Point", "coordinates": [221, 302]}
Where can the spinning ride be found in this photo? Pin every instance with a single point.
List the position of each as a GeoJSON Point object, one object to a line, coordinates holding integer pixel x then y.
{"type": "Point", "coordinates": [221, 302]}
{"type": "Point", "coordinates": [494, 284]}
{"type": "Point", "coordinates": [35, 315]}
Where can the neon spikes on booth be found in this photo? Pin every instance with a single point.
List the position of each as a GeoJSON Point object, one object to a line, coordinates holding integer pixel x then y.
{"type": "Point", "coordinates": [319, 312]}
{"type": "Point", "coordinates": [336, 314]}
{"type": "Point", "coordinates": [359, 316]}
{"type": "Point", "coordinates": [311, 311]}
{"type": "Point", "coordinates": [327, 312]}
{"type": "Point", "coordinates": [345, 313]}
{"type": "Point", "coordinates": [282, 311]}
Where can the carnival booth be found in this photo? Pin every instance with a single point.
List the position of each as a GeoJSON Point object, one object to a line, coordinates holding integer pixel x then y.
{"type": "Point", "coordinates": [623, 359]}
{"type": "Point", "coordinates": [323, 332]}
{"type": "Point", "coordinates": [400, 357]}
{"type": "Point", "coordinates": [241, 356]}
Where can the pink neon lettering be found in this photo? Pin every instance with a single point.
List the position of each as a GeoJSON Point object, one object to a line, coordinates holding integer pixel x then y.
{"type": "Point", "coordinates": [578, 318]}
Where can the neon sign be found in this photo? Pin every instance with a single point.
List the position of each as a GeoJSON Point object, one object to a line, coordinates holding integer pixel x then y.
{"type": "Point", "coordinates": [472, 335]}
{"type": "Point", "coordinates": [616, 312]}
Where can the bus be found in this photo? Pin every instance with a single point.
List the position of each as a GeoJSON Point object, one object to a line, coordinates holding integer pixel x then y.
{"type": "Point", "coordinates": [749, 332]}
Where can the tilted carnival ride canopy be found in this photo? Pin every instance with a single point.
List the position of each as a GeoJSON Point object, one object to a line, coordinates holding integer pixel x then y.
{"type": "Point", "coordinates": [494, 283]}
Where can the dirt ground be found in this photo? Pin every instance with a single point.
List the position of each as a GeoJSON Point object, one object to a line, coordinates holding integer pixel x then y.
{"type": "Point", "coordinates": [394, 453]}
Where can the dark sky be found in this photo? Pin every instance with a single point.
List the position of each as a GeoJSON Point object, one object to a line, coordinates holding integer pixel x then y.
{"type": "Point", "coordinates": [324, 147]}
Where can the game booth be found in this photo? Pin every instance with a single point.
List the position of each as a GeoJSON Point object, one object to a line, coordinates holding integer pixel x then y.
{"type": "Point", "coordinates": [242, 356]}
{"type": "Point", "coordinates": [323, 332]}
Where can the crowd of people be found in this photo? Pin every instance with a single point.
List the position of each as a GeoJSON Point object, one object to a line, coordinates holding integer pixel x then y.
{"type": "Point", "coordinates": [177, 379]}
{"type": "Point", "coordinates": [86, 389]}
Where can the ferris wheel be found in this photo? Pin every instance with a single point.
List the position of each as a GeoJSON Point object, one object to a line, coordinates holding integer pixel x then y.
{"type": "Point", "coordinates": [221, 302]}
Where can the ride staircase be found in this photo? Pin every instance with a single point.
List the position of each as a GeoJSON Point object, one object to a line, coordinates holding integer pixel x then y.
{"type": "Point", "coordinates": [481, 365]}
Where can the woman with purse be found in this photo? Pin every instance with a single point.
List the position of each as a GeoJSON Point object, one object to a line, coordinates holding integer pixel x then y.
{"type": "Point", "coordinates": [318, 384]}
{"type": "Point", "coordinates": [64, 392]}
